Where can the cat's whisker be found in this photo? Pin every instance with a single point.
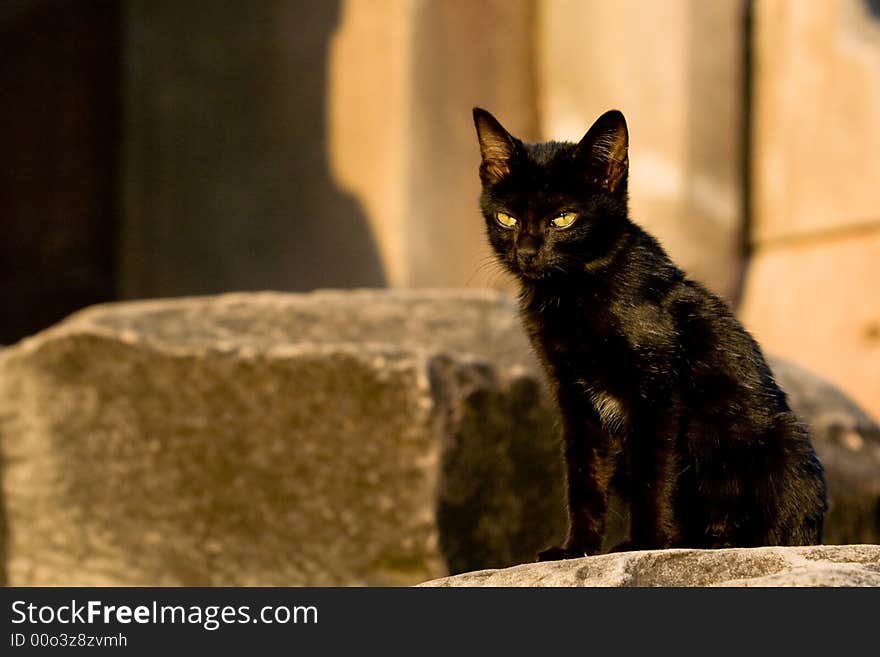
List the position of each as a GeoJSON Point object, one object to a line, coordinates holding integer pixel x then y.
{"type": "Point", "coordinates": [491, 267]}
{"type": "Point", "coordinates": [497, 275]}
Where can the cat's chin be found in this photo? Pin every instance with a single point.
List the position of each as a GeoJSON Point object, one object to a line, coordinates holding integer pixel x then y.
{"type": "Point", "coordinates": [535, 275]}
{"type": "Point", "coordinates": [530, 273]}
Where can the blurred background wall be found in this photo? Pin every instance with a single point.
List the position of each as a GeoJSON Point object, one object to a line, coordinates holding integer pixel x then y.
{"type": "Point", "coordinates": [160, 148]}
{"type": "Point", "coordinates": [813, 289]}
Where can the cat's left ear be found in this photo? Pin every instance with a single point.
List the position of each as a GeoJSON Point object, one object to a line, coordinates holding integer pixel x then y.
{"type": "Point", "coordinates": [604, 149]}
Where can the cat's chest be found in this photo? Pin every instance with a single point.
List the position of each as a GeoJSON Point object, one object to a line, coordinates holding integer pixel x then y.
{"type": "Point", "coordinates": [576, 332]}
{"type": "Point", "coordinates": [589, 354]}
{"type": "Point", "coordinates": [593, 361]}
{"type": "Point", "coordinates": [598, 337]}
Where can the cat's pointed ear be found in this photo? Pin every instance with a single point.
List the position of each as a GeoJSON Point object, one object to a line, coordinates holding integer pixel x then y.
{"type": "Point", "coordinates": [604, 149]}
{"type": "Point", "coordinates": [497, 147]}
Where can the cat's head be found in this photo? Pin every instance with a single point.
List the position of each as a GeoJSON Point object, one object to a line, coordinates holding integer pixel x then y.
{"type": "Point", "coordinates": [556, 208]}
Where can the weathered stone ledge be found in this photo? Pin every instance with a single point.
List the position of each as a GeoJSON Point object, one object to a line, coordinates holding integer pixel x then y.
{"type": "Point", "coordinates": [824, 565]}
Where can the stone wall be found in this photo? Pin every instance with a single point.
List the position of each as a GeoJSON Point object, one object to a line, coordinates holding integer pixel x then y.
{"type": "Point", "coordinates": [403, 79]}
{"type": "Point", "coordinates": [811, 292]}
{"type": "Point", "coordinates": [58, 191]}
{"type": "Point", "coordinates": [547, 72]}
{"type": "Point", "coordinates": [226, 182]}
{"type": "Point", "coordinates": [675, 69]}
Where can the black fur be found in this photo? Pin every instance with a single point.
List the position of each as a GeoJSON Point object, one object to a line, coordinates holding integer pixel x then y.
{"type": "Point", "coordinates": [661, 390]}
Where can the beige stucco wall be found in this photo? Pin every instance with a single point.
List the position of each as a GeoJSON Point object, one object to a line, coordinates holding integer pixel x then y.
{"type": "Point", "coordinates": [675, 70]}
{"type": "Point", "coordinates": [403, 78]}
{"type": "Point", "coordinates": [811, 292]}
{"type": "Point", "coordinates": [368, 100]}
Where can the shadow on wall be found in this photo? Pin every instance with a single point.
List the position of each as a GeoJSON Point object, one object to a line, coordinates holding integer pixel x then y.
{"type": "Point", "coordinates": [227, 184]}
{"type": "Point", "coordinates": [160, 148]}
{"type": "Point", "coordinates": [59, 130]}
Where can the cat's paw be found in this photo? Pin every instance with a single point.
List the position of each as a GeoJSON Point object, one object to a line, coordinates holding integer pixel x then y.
{"type": "Point", "coordinates": [558, 553]}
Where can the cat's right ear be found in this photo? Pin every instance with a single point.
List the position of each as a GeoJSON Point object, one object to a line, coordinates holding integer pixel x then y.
{"type": "Point", "coordinates": [496, 147]}
{"type": "Point", "coordinates": [604, 151]}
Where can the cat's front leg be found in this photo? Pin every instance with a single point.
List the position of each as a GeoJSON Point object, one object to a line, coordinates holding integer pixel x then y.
{"type": "Point", "coordinates": [590, 463]}
{"type": "Point", "coordinates": [654, 468]}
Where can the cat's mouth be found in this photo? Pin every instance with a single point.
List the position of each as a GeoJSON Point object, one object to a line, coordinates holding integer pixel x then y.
{"type": "Point", "coordinates": [532, 269]}
{"type": "Point", "coordinates": [532, 273]}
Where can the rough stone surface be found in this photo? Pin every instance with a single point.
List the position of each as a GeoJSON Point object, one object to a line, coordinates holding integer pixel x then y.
{"type": "Point", "coordinates": [274, 439]}
{"type": "Point", "coordinates": [832, 565]}
{"type": "Point", "coordinates": [367, 437]}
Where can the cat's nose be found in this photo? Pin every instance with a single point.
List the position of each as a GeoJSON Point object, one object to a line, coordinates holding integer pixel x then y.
{"type": "Point", "coordinates": [527, 248]}
{"type": "Point", "coordinates": [527, 254]}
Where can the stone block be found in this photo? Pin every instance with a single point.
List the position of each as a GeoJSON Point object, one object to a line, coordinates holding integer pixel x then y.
{"type": "Point", "coordinates": [328, 439]}
{"type": "Point", "coordinates": [847, 442]}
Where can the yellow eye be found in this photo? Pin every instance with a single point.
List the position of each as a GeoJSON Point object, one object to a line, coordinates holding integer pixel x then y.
{"type": "Point", "coordinates": [564, 220]}
{"type": "Point", "coordinates": [505, 219]}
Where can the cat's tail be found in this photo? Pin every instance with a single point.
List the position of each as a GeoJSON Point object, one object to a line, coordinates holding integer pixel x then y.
{"type": "Point", "coordinates": [801, 492]}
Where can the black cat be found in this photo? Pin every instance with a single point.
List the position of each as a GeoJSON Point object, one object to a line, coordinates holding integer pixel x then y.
{"type": "Point", "coordinates": [662, 391]}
